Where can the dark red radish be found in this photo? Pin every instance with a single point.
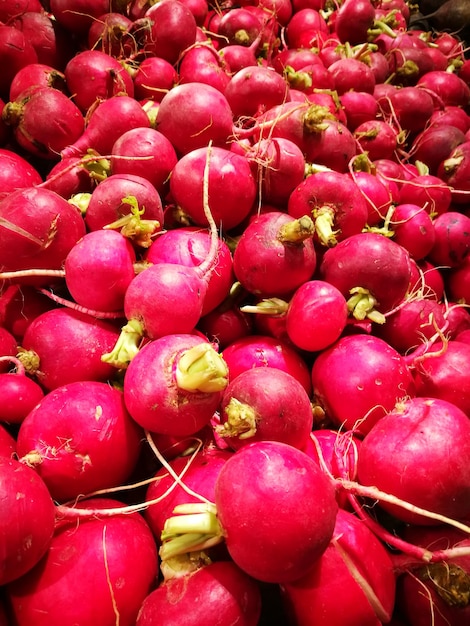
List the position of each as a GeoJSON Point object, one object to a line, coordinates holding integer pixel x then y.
{"type": "Point", "coordinates": [265, 351]}
{"type": "Point", "coordinates": [80, 438]}
{"type": "Point", "coordinates": [239, 26]}
{"type": "Point", "coordinates": [12, 9]}
{"type": "Point", "coordinates": [106, 123]}
{"type": "Point", "coordinates": [19, 306]}
{"type": "Point", "coordinates": [435, 144]}
{"type": "Point", "coordinates": [183, 376]}
{"type": "Point", "coordinates": [192, 115]}
{"type": "Point", "coordinates": [449, 88]}
{"type": "Point", "coordinates": [16, 172]}
{"type": "Point", "coordinates": [457, 282]}
{"type": "Point", "coordinates": [110, 33]}
{"type": "Point", "coordinates": [197, 472]}
{"type": "Point", "coordinates": [202, 63]}
{"type": "Point", "coordinates": [265, 404]}
{"type": "Point", "coordinates": [64, 345]}
{"type": "Point", "coordinates": [101, 553]}
{"type": "Point", "coordinates": [451, 116]}
{"type": "Point", "coordinates": [357, 267]}
{"type": "Point", "coordinates": [16, 52]}
{"type": "Point", "coordinates": [223, 591]}
{"type": "Point", "coordinates": [36, 75]}
{"type": "Point", "coordinates": [415, 321]}
{"type": "Point", "coordinates": [106, 78]}
{"type": "Point", "coordinates": [20, 394]}
{"type": "Point", "coordinates": [225, 324]}
{"type": "Point", "coordinates": [358, 380]}
{"type": "Point", "coordinates": [76, 16]}
{"type": "Point", "coordinates": [8, 348]}
{"type": "Point", "coordinates": [275, 254]}
{"type": "Point", "coordinates": [411, 454]}
{"type": "Point", "coordinates": [378, 138]}
{"type": "Point", "coordinates": [366, 586]}
{"type": "Point", "coordinates": [452, 243]}
{"type": "Point", "coordinates": [353, 20]}
{"type": "Point", "coordinates": [428, 192]}
{"type": "Point", "coordinates": [412, 107]}
{"type": "Point", "coordinates": [334, 203]}
{"type": "Point", "coordinates": [154, 78]}
{"type": "Point", "coordinates": [454, 171]}
{"type": "Point", "coordinates": [189, 246]}
{"type": "Point", "coordinates": [359, 107]}
{"type": "Point", "coordinates": [41, 227]}
{"type": "Point", "coordinates": [413, 229]}
{"type": "Point", "coordinates": [351, 74]}
{"type": "Point", "coordinates": [44, 121]}
{"type": "Point", "coordinates": [294, 58]}
{"type": "Point", "coordinates": [7, 447]}
{"type": "Point", "coordinates": [316, 316]}
{"type": "Point", "coordinates": [144, 152]}
{"type": "Point", "coordinates": [27, 512]}
{"type": "Point", "coordinates": [457, 317]}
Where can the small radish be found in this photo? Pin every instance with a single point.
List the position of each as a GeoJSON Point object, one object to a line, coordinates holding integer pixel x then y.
{"type": "Point", "coordinates": [110, 34]}
{"type": "Point", "coordinates": [202, 63]}
{"type": "Point", "coordinates": [154, 78]}
{"type": "Point", "coordinates": [378, 138]}
{"type": "Point", "coordinates": [16, 52]}
{"type": "Point", "coordinates": [413, 229]}
{"type": "Point", "coordinates": [452, 239]}
{"type": "Point", "coordinates": [16, 172]}
{"type": "Point", "coordinates": [428, 192]}
{"type": "Point", "coordinates": [36, 75]}
{"type": "Point", "coordinates": [20, 394]}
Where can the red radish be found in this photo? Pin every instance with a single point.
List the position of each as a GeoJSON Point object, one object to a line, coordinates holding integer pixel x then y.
{"type": "Point", "coordinates": [80, 438]}
{"type": "Point", "coordinates": [232, 188]}
{"type": "Point", "coordinates": [454, 171]}
{"type": "Point", "coordinates": [36, 75]}
{"type": "Point", "coordinates": [450, 116]}
{"type": "Point", "coordinates": [106, 123]}
{"type": "Point", "coordinates": [294, 58]}
{"type": "Point", "coordinates": [12, 9]}
{"type": "Point", "coordinates": [202, 63]}
{"type": "Point", "coordinates": [447, 86]}
{"type": "Point", "coordinates": [71, 176]}
{"type": "Point", "coordinates": [265, 404]}
{"type": "Point", "coordinates": [337, 452]}
{"type": "Point", "coordinates": [435, 144]}
{"type": "Point", "coordinates": [457, 317]}
{"type": "Point", "coordinates": [110, 33]}
{"type": "Point", "coordinates": [335, 204]}
{"type": "Point", "coordinates": [239, 26]}
{"type": "Point", "coordinates": [189, 246]}
{"type": "Point", "coordinates": [16, 172]}
{"type": "Point", "coordinates": [16, 52]}
{"type": "Point", "coordinates": [44, 121]}
{"type": "Point", "coordinates": [304, 21]}
{"type": "Point", "coordinates": [224, 593]}
{"type": "Point", "coordinates": [359, 107]}
{"type": "Point", "coordinates": [225, 324]}
{"type": "Point", "coordinates": [199, 9]}
{"type": "Point", "coordinates": [353, 19]}
{"type": "Point", "coordinates": [264, 351]}
{"type": "Point", "coordinates": [358, 380]}
{"type": "Point", "coordinates": [357, 266]}
{"type": "Point", "coordinates": [457, 282]}
{"type": "Point", "coordinates": [255, 89]}
{"type": "Point", "coordinates": [192, 115]}
{"type": "Point", "coordinates": [351, 74]}
{"type": "Point", "coordinates": [77, 15]}
{"type": "Point", "coordinates": [20, 394]}
{"type": "Point", "coordinates": [41, 227]}
{"type": "Point", "coordinates": [101, 553]}
{"type": "Point", "coordinates": [413, 229]}
{"type": "Point", "coordinates": [378, 138]}
{"type": "Point", "coordinates": [366, 587]}
{"type": "Point", "coordinates": [27, 511]}
{"type": "Point", "coordinates": [426, 280]}
{"type": "Point", "coordinates": [180, 374]}
{"type": "Point", "coordinates": [309, 79]}
{"type": "Point", "coordinates": [154, 78]}
{"type": "Point", "coordinates": [411, 453]}
{"type": "Point", "coordinates": [58, 338]}
{"type": "Point", "coordinates": [452, 244]}
{"type": "Point", "coordinates": [7, 448]}
{"type": "Point", "coordinates": [413, 107]}
{"type": "Point", "coordinates": [237, 57]}
{"type": "Point", "coordinates": [106, 78]}
{"type": "Point", "coordinates": [428, 192]}
{"type": "Point", "coordinates": [144, 152]}
{"type": "Point", "coordinates": [8, 348]}
{"type": "Point", "coordinates": [19, 306]}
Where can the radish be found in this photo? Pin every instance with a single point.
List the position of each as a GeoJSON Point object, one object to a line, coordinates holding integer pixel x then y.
{"type": "Point", "coordinates": [275, 254]}
{"type": "Point", "coordinates": [192, 115]}
{"type": "Point", "coordinates": [426, 280]}
{"type": "Point", "coordinates": [265, 404]}
{"type": "Point", "coordinates": [27, 512]}
{"type": "Point", "coordinates": [106, 122]}
{"type": "Point", "coordinates": [448, 87]}
{"type": "Point", "coordinates": [8, 348]}
{"type": "Point", "coordinates": [144, 152]}
{"type": "Point", "coordinates": [413, 229]}
{"type": "Point", "coordinates": [351, 74]}
{"type": "Point", "coordinates": [359, 107]}
{"type": "Point", "coordinates": [225, 324]}
{"type": "Point", "coordinates": [110, 33]}
{"type": "Point", "coordinates": [37, 118]}
{"type": "Point", "coordinates": [366, 587]}
{"type": "Point", "coordinates": [435, 144]}
{"type": "Point", "coordinates": [12, 9]}
{"type": "Point", "coordinates": [16, 52]}
{"type": "Point", "coordinates": [77, 15]}
{"type": "Point", "coordinates": [378, 138]}
{"type": "Point", "coordinates": [80, 438]}
{"type": "Point", "coordinates": [357, 266]}
{"type": "Point", "coordinates": [237, 56]}
{"type": "Point", "coordinates": [353, 20]}
{"type": "Point", "coordinates": [36, 75]}
{"type": "Point", "coordinates": [154, 78]}
{"type": "Point", "coordinates": [100, 553]}
{"type": "Point", "coordinates": [450, 116]}
{"type": "Point", "coordinates": [239, 26]}
{"type": "Point", "coordinates": [264, 351]}
{"type": "Point", "coordinates": [20, 393]}
{"type": "Point", "coordinates": [202, 63]}
{"type": "Point", "coordinates": [69, 177]}
{"type": "Point", "coordinates": [358, 380]}
{"type": "Point", "coordinates": [183, 376]}
{"type": "Point", "coordinates": [457, 283]}
{"type": "Point", "coordinates": [452, 242]}
{"type": "Point", "coordinates": [248, 485]}
{"type": "Point", "coordinates": [19, 306]}
{"type": "Point", "coordinates": [428, 192]}
{"type": "Point", "coordinates": [219, 592]}
{"type": "Point", "coordinates": [412, 106]}
{"type": "Point", "coordinates": [335, 204]}
{"type": "Point", "coordinates": [391, 458]}
{"type": "Point", "coordinates": [454, 169]}
{"type": "Point", "coordinates": [16, 172]}
{"type": "Point", "coordinates": [304, 21]}
{"type": "Point", "coordinates": [60, 337]}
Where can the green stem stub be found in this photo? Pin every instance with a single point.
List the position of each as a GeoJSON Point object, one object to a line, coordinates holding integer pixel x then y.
{"type": "Point", "coordinates": [297, 230]}
{"type": "Point", "coordinates": [324, 223]}
{"type": "Point", "coordinates": [268, 306]}
{"type": "Point", "coordinates": [133, 226]}
{"type": "Point", "coordinates": [127, 345]}
{"type": "Point", "coordinates": [241, 420]}
{"type": "Point", "coordinates": [201, 369]}
{"type": "Point", "coordinates": [362, 305]}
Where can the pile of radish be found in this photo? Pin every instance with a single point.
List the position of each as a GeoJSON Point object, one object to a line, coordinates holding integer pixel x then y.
{"type": "Point", "coordinates": [234, 324]}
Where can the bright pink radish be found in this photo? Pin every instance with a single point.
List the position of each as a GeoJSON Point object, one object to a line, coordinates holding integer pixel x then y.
{"type": "Point", "coordinates": [189, 246]}
{"type": "Point", "coordinates": [16, 52]}
{"type": "Point", "coordinates": [275, 254]}
{"type": "Point", "coordinates": [232, 187]}
{"type": "Point", "coordinates": [71, 176]}
{"type": "Point", "coordinates": [154, 78]}
{"type": "Point", "coordinates": [435, 144]}
{"type": "Point", "coordinates": [358, 380]}
{"type": "Point", "coordinates": [44, 121]}
{"type": "Point", "coordinates": [458, 283]}
{"type": "Point", "coordinates": [108, 547]}
{"type": "Point", "coordinates": [255, 89]}
{"type": "Point", "coordinates": [358, 265]}
{"type": "Point", "coordinates": [19, 393]}
{"type": "Point", "coordinates": [378, 138]}
{"type": "Point", "coordinates": [335, 204]}
{"type": "Point", "coordinates": [62, 345]}
{"type": "Point", "coordinates": [239, 26]}
{"type": "Point", "coordinates": [183, 376]}
{"type": "Point", "coordinates": [304, 21]}
{"type": "Point", "coordinates": [77, 15]}
{"type": "Point", "coordinates": [359, 107]}
{"type": "Point", "coordinates": [413, 229]}
{"type": "Point", "coordinates": [225, 324]}
{"type": "Point", "coordinates": [144, 152]}
{"type": "Point", "coordinates": [366, 586]}
{"type": "Point", "coordinates": [418, 453]}
{"type": "Point", "coordinates": [217, 592]}
{"type": "Point", "coordinates": [80, 438]}
{"type": "Point", "coordinates": [237, 57]}
{"type": "Point", "coordinates": [452, 243]}
{"type": "Point", "coordinates": [428, 192]}
{"type": "Point", "coordinates": [27, 511]}
{"type": "Point", "coordinates": [203, 64]}
{"type": "Point", "coordinates": [16, 172]}
{"type": "Point", "coordinates": [7, 447]}
{"type": "Point", "coordinates": [36, 75]}
{"type": "Point", "coordinates": [106, 123]}
{"type": "Point", "coordinates": [265, 404]}
{"type": "Point", "coordinates": [379, 193]}
{"type": "Point", "coordinates": [458, 318]}
{"type": "Point", "coordinates": [426, 280]}
{"type": "Point", "coordinates": [264, 351]}
{"type": "Point", "coordinates": [110, 34]}
{"type": "Point", "coordinates": [19, 306]}
{"type": "Point", "coordinates": [193, 114]}
{"type": "Point", "coordinates": [451, 116]}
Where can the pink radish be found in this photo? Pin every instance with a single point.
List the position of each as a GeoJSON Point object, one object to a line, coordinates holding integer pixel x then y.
{"type": "Point", "coordinates": [413, 229]}
{"type": "Point", "coordinates": [16, 172]}
{"type": "Point", "coordinates": [428, 192]}
{"type": "Point", "coordinates": [107, 548]}
{"type": "Point", "coordinates": [154, 78]}
{"type": "Point", "coordinates": [110, 33]}
{"type": "Point", "coordinates": [378, 138]}
{"type": "Point", "coordinates": [351, 74]}
{"type": "Point", "coordinates": [435, 144]}
{"type": "Point", "coordinates": [426, 280]}
{"type": "Point", "coordinates": [413, 107]}
{"type": "Point", "coordinates": [358, 380]}
{"type": "Point", "coordinates": [239, 26]}
{"type": "Point", "coordinates": [202, 63]}
{"type": "Point", "coordinates": [353, 20]}
{"type": "Point", "coordinates": [77, 15]}
{"type": "Point", "coordinates": [454, 169]}
{"type": "Point", "coordinates": [451, 116]}
{"type": "Point", "coordinates": [7, 446]}
{"type": "Point", "coordinates": [379, 192]}
{"type": "Point", "coordinates": [80, 438]}
{"type": "Point", "coordinates": [20, 394]}
{"type": "Point", "coordinates": [225, 324]}
{"type": "Point", "coordinates": [27, 511]}
{"type": "Point", "coordinates": [391, 458]}
{"type": "Point", "coordinates": [304, 21]}
{"type": "Point", "coordinates": [452, 241]}
{"type": "Point", "coordinates": [448, 87]}
{"type": "Point", "coordinates": [255, 89]}
{"type": "Point", "coordinates": [19, 306]}
{"type": "Point", "coordinates": [71, 176]}
{"type": "Point", "coordinates": [457, 283]}
{"type": "Point", "coordinates": [359, 107]}
{"type": "Point", "coordinates": [191, 376]}
{"type": "Point", "coordinates": [265, 404]}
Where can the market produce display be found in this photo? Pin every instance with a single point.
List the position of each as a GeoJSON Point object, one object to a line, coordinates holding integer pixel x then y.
{"type": "Point", "coordinates": [234, 325]}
